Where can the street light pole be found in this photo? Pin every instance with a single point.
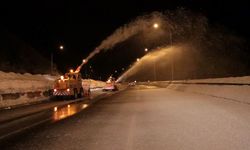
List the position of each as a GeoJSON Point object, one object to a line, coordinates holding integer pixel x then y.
{"type": "Point", "coordinates": [155, 69]}
{"type": "Point", "coordinates": [51, 63]}
{"type": "Point", "coordinates": [172, 60]}
{"type": "Point", "coordinates": [156, 26]}
{"type": "Point", "coordinates": [61, 47]}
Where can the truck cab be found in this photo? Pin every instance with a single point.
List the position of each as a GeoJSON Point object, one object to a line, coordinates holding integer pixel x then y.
{"type": "Point", "coordinates": [70, 85]}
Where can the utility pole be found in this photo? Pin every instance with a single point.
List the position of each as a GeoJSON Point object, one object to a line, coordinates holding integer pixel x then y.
{"type": "Point", "coordinates": [61, 47]}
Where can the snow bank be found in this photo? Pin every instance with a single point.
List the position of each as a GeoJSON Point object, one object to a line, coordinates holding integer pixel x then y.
{"type": "Point", "coordinates": [19, 83]}
{"type": "Point", "coordinates": [16, 88]}
{"type": "Point", "coordinates": [93, 83]}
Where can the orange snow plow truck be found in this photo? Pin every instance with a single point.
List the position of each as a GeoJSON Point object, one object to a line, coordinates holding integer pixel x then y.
{"type": "Point", "coordinates": [71, 85]}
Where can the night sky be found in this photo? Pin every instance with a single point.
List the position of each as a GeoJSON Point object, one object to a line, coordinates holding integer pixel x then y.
{"type": "Point", "coordinates": [81, 26]}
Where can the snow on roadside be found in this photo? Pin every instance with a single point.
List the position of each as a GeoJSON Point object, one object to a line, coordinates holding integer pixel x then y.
{"type": "Point", "coordinates": [238, 80]}
{"type": "Point", "coordinates": [236, 93]}
{"type": "Point", "coordinates": [16, 82]}
{"type": "Point", "coordinates": [24, 83]}
{"type": "Point", "coordinates": [19, 83]}
{"type": "Point", "coordinates": [240, 93]}
{"type": "Point", "coordinates": [94, 83]}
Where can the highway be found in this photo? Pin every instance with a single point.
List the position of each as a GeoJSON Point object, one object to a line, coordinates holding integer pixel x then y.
{"type": "Point", "coordinates": [142, 118]}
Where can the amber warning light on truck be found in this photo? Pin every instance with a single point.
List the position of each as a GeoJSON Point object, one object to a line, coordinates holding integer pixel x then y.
{"type": "Point", "coordinates": [62, 77]}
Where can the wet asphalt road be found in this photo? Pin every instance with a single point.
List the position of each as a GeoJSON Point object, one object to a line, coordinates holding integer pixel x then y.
{"type": "Point", "coordinates": [145, 119]}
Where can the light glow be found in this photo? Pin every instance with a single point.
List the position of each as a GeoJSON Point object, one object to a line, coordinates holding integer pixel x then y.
{"type": "Point", "coordinates": [55, 108]}
{"type": "Point", "coordinates": [156, 25]}
{"type": "Point", "coordinates": [61, 47]}
{"type": "Point", "coordinates": [84, 106]}
{"type": "Point", "coordinates": [62, 77]}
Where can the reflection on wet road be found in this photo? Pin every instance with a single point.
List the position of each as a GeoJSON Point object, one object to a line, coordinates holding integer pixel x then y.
{"type": "Point", "coordinates": [68, 110]}
{"type": "Point", "coordinates": [42, 115]}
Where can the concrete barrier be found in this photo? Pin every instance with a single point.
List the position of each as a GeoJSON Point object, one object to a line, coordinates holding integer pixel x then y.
{"type": "Point", "coordinates": [14, 99]}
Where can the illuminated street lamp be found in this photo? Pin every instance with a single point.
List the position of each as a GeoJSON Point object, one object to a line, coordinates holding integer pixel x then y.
{"type": "Point", "coordinates": [138, 59]}
{"type": "Point", "coordinates": [156, 25]}
{"type": "Point", "coordinates": [145, 49]}
{"type": "Point", "coordinates": [61, 47]}
{"type": "Point", "coordinates": [84, 60]}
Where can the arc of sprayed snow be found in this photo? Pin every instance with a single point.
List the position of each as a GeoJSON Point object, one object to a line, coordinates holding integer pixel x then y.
{"type": "Point", "coordinates": [123, 33]}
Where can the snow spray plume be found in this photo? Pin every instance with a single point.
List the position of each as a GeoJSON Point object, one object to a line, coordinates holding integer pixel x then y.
{"type": "Point", "coordinates": [206, 45]}
{"type": "Point", "coordinates": [189, 61]}
{"type": "Point", "coordinates": [179, 23]}
{"type": "Point", "coordinates": [147, 61]}
{"type": "Point", "coordinates": [140, 24]}
{"type": "Point", "coordinates": [156, 65]}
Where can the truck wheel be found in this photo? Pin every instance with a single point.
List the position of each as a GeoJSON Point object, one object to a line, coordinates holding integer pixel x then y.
{"type": "Point", "coordinates": [81, 94]}
{"type": "Point", "coordinates": [89, 92]}
{"type": "Point", "coordinates": [75, 94]}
